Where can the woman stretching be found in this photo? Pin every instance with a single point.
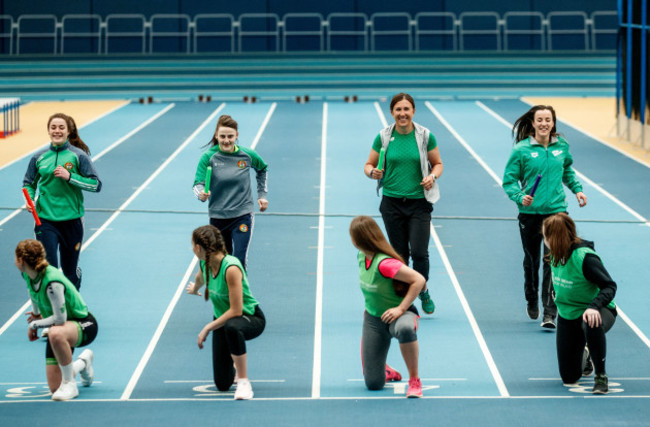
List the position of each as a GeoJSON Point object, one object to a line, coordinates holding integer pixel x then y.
{"type": "Point", "coordinates": [389, 288]}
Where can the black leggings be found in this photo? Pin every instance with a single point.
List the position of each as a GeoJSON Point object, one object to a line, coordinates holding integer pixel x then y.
{"type": "Point", "coordinates": [231, 340]}
{"type": "Point", "coordinates": [530, 229]}
{"type": "Point", "coordinates": [64, 237]}
{"type": "Point", "coordinates": [408, 223]}
{"type": "Point", "coordinates": [572, 335]}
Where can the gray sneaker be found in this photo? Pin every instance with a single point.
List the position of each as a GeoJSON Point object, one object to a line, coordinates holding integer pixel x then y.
{"type": "Point", "coordinates": [548, 322]}
{"type": "Point", "coordinates": [600, 384]}
{"type": "Point", "coordinates": [532, 309]}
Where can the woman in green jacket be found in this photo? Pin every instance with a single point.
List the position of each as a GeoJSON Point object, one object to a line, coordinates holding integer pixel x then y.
{"type": "Point", "coordinates": [584, 295]}
{"type": "Point", "coordinates": [61, 172]}
{"type": "Point", "coordinates": [540, 152]}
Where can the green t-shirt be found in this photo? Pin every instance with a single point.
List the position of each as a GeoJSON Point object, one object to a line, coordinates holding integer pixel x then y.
{"type": "Point", "coordinates": [218, 288]}
{"type": "Point", "coordinates": [75, 306]}
{"type": "Point", "coordinates": [403, 175]}
{"type": "Point", "coordinates": [573, 292]}
{"type": "Point", "coordinates": [378, 291]}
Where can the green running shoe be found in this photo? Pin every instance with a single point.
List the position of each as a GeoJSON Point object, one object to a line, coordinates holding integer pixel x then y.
{"type": "Point", "coordinates": [427, 303]}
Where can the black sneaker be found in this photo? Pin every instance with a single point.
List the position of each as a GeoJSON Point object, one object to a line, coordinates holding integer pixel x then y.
{"type": "Point", "coordinates": [600, 384]}
{"type": "Point", "coordinates": [533, 310]}
{"type": "Point", "coordinates": [548, 322]}
{"type": "Point", "coordinates": [587, 364]}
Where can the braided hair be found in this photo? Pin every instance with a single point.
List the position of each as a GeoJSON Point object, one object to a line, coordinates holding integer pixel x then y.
{"type": "Point", "coordinates": [210, 239]}
{"type": "Point", "coordinates": [32, 253]}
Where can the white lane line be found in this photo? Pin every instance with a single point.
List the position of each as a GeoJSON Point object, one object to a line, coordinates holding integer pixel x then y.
{"type": "Point", "coordinates": [381, 114]}
{"type": "Point", "coordinates": [133, 132]}
{"type": "Point", "coordinates": [263, 127]}
{"type": "Point", "coordinates": [503, 391]}
{"type": "Point", "coordinates": [156, 336]}
{"type": "Point", "coordinates": [464, 143]}
{"type": "Point", "coordinates": [290, 399]}
{"type": "Point", "coordinates": [318, 317]}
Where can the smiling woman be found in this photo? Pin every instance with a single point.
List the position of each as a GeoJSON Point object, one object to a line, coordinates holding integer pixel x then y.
{"type": "Point", "coordinates": [539, 151]}
{"type": "Point", "coordinates": [60, 172]}
{"type": "Point", "coordinates": [408, 174]}
{"type": "Point", "coordinates": [223, 178]}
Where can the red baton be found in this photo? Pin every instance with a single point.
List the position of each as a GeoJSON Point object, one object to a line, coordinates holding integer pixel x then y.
{"type": "Point", "coordinates": [31, 205]}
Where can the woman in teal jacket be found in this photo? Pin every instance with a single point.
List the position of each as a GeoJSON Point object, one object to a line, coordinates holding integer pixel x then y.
{"type": "Point", "coordinates": [539, 152]}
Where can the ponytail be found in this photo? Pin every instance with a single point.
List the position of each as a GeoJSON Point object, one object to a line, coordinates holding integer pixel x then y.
{"type": "Point", "coordinates": [74, 137]}
{"type": "Point", "coordinates": [226, 121]}
{"type": "Point", "coordinates": [73, 133]}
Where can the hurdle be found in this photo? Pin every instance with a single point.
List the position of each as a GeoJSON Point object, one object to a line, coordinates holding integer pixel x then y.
{"type": "Point", "coordinates": [10, 111]}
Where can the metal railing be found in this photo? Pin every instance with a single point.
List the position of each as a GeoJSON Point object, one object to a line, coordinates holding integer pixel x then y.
{"type": "Point", "coordinates": [213, 26]}
{"type": "Point", "coordinates": [223, 33]}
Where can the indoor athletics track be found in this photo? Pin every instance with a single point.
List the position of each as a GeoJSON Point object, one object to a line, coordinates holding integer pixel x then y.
{"type": "Point", "coordinates": [483, 362]}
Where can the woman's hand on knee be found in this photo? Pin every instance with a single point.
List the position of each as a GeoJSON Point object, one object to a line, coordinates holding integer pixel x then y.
{"type": "Point", "coordinates": [391, 315]}
{"type": "Point", "coordinates": [592, 318]}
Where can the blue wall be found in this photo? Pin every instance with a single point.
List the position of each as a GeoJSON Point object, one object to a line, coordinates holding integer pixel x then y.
{"type": "Point", "coordinates": [147, 8]}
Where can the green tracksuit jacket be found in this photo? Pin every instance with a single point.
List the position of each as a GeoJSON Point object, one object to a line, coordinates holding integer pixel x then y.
{"type": "Point", "coordinates": [529, 159]}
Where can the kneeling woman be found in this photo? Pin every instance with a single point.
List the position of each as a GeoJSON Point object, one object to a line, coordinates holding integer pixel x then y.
{"type": "Point", "coordinates": [584, 295]}
{"type": "Point", "coordinates": [237, 314]}
{"type": "Point", "coordinates": [56, 304]}
{"type": "Point", "coordinates": [389, 309]}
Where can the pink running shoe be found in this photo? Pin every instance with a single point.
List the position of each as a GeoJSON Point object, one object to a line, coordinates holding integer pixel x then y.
{"type": "Point", "coordinates": [415, 388]}
{"type": "Point", "coordinates": [392, 374]}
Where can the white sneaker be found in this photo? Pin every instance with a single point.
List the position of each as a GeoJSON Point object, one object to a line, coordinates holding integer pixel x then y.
{"type": "Point", "coordinates": [66, 391]}
{"type": "Point", "coordinates": [87, 374]}
{"type": "Point", "coordinates": [244, 390]}
{"type": "Point", "coordinates": [45, 332]}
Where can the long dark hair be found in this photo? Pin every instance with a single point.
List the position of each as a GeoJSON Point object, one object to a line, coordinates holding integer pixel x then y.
{"type": "Point", "coordinates": [226, 121]}
{"type": "Point", "coordinates": [73, 132]}
{"type": "Point", "coordinates": [32, 253]}
{"type": "Point", "coordinates": [523, 127]}
{"type": "Point", "coordinates": [560, 234]}
{"type": "Point", "coordinates": [399, 97]}
{"type": "Point", "coordinates": [211, 240]}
